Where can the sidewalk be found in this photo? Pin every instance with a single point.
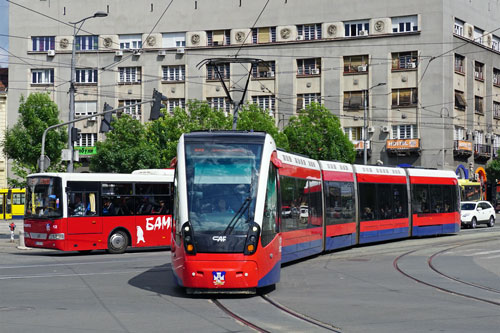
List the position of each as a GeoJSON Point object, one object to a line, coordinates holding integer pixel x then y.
{"type": "Point", "coordinates": [5, 233]}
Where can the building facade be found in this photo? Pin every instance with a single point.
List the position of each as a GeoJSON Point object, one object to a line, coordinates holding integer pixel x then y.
{"type": "Point", "coordinates": [419, 79]}
{"type": "Point", "coordinates": [4, 83]}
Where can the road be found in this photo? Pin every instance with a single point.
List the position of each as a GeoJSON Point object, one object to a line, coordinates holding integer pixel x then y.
{"type": "Point", "coordinates": [401, 286]}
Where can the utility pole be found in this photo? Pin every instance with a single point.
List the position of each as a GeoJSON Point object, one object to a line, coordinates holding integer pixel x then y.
{"type": "Point", "coordinates": [365, 125]}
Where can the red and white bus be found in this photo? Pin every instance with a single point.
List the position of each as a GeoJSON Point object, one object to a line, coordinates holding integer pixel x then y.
{"type": "Point", "coordinates": [98, 211]}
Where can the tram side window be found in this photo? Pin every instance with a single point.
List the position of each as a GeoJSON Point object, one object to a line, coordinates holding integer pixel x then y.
{"type": "Point", "coordinates": [270, 217]}
{"type": "Point", "coordinates": [384, 196]}
{"type": "Point", "coordinates": [315, 208]}
{"type": "Point", "coordinates": [294, 205]}
{"type": "Point", "coordinates": [18, 198]}
{"type": "Point", "coordinates": [367, 201]}
{"type": "Point", "coordinates": [400, 201]}
{"type": "Point", "coordinates": [420, 199]}
{"type": "Point", "coordinates": [339, 202]}
{"type": "Point", "coordinates": [436, 199]}
{"type": "Point", "coordinates": [449, 195]}
{"type": "Point", "coordinates": [177, 222]}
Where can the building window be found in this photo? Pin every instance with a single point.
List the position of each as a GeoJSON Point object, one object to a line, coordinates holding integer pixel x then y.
{"type": "Point", "coordinates": [133, 111]}
{"type": "Point", "coordinates": [175, 103]}
{"type": "Point", "coordinates": [86, 75]}
{"type": "Point", "coordinates": [264, 70]}
{"type": "Point", "coordinates": [86, 140]}
{"type": "Point", "coordinates": [496, 77]}
{"type": "Point", "coordinates": [404, 97]}
{"type": "Point", "coordinates": [224, 70]}
{"type": "Point", "coordinates": [304, 100]}
{"type": "Point", "coordinates": [495, 43]}
{"type": "Point", "coordinates": [495, 139]}
{"type": "Point", "coordinates": [264, 35]}
{"type": "Point", "coordinates": [309, 31]}
{"type": "Point", "coordinates": [459, 133]}
{"type": "Point", "coordinates": [130, 42]}
{"type": "Point", "coordinates": [405, 24]}
{"type": "Point", "coordinates": [459, 64]}
{"type": "Point", "coordinates": [354, 133]}
{"type": "Point", "coordinates": [42, 76]}
{"type": "Point", "coordinates": [265, 103]}
{"type": "Point", "coordinates": [174, 73]}
{"type": "Point", "coordinates": [478, 138]}
{"type": "Point", "coordinates": [356, 64]}
{"type": "Point", "coordinates": [459, 27]}
{"type": "Point", "coordinates": [460, 102]}
{"type": "Point", "coordinates": [84, 43]}
{"type": "Point", "coordinates": [404, 60]}
{"type": "Point", "coordinates": [357, 28]}
{"type": "Point", "coordinates": [219, 37]}
{"type": "Point", "coordinates": [404, 132]}
{"type": "Point", "coordinates": [478, 105]}
{"type": "Point", "coordinates": [43, 43]}
{"type": "Point", "coordinates": [478, 71]}
{"type": "Point", "coordinates": [496, 110]}
{"type": "Point", "coordinates": [220, 104]}
{"type": "Point", "coordinates": [354, 100]}
{"type": "Point", "coordinates": [173, 39]}
{"type": "Point", "coordinates": [85, 108]}
{"type": "Point", "coordinates": [130, 74]}
{"type": "Point", "coordinates": [309, 66]}
{"type": "Point", "coordinates": [478, 35]}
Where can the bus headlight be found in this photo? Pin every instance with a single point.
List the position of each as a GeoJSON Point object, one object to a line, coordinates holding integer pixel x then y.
{"type": "Point", "coordinates": [252, 239]}
{"type": "Point", "coordinates": [56, 236]}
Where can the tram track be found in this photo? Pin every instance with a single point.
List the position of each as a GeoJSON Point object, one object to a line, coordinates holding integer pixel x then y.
{"type": "Point", "coordinates": [258, 327]}
{"type": "Point", "coordinates": [432, 266]}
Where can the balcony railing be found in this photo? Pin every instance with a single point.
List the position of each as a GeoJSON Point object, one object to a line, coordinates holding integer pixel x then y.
{"type": "Point", "coordinates": [482, 151]}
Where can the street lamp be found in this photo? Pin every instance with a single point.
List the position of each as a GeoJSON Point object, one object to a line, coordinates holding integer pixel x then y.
{"type": "Point", "coordinates": [365, 126]}
{"type": "Point", "coordinates": [72, 83]}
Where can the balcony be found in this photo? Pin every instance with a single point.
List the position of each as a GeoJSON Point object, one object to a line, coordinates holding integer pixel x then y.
{"type": "Point", "coordinates": [482, 152]}
{"type": "Point", "coordinates": [358, 145]}
{"type": "Point", "coordinates": [462, 148]}
{"type": "Point", "coordinates": [403, 147]}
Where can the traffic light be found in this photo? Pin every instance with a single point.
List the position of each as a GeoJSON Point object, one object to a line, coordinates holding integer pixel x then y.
{"type": "Point", "coordinates": [75, 134]}
{"type": "Point", "coordinates": [107, 119]}
{"type": "Point", "coordinates": [157, 105]}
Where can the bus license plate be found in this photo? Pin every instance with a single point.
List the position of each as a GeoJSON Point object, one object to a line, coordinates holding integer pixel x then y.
{"type": "Point", "coordinates": [39, 243]}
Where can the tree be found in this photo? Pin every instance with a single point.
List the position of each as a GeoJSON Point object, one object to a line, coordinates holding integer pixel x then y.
{"type": "Point", "coordinates": [23, 142]}
{"type": "Point", "coordinates": [493, 170]}
{"type": "Point", "coordinates": [316, 132]}
{"type": "Point", "coordinates": [125, 149]}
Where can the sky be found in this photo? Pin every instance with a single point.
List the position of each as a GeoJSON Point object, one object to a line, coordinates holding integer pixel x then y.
{"type": "Point", "coordinates": [4, 30]}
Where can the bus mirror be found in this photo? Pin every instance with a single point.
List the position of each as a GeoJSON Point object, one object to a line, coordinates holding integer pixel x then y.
{"type": "Point", "coordinates": [173, 162]}
{"type": "Point", "coordinates": [276, 161]}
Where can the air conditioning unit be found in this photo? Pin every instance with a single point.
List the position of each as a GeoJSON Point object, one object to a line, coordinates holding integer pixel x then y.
{"type": "Point", "coordinates": [162, 53]}
{"type": "Point", "coordinates": [51, 53]}
{"type": "Point", "coordinates": [386, 129]}
{"type": "Point", "coordinates": [300, 37]}
{"type": "Point", "coordinates": [315, 71]}
{"type": "Point", "coordinates": [362, 68]}
{"type": "Point", "coordinates": [371, 129]}
{"type": "Point", "coordinates": [180, 50]}
{"type": "Point", "coordinates": [270, 74]}
{"type": "Point", "coordinates": [363, 33]}
{"type": "Point", "coordinates": [119, 53]}
{"type": "Point", "coordinates": [412, 65]}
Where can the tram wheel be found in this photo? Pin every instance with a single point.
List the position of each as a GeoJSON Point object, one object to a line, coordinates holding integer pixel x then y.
{"type": "Point", "coordinates": [491, 222]}
{"type": "Point", "coordinates": [473, 223]}
{"type": "Point", "coordinates": [117, 242]}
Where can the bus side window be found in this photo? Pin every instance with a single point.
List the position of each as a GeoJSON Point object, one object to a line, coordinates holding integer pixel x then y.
{"type": "Point", "coordinates": [76, 206]}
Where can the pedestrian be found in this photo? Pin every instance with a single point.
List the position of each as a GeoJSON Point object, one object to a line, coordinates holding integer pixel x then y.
{"type": "Point", "coordinates": [12, 227]}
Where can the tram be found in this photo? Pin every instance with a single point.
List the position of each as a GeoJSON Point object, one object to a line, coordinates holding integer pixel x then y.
{"type": "Point", "coordinates": [230, 235]}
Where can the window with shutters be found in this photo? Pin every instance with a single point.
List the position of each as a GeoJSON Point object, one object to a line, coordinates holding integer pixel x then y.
{"type": "Point", "coordinates": [404, 97]}
{"type": "Point", "coordinates": [354, 100]}
{"type": "Point", "coordinates": [264, 35]}
{"type": "Point", "coordinates": [219, 37]}
{"type": "Point", "coordinates": [460, 103]}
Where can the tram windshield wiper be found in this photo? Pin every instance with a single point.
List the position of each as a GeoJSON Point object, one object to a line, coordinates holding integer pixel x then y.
{"type": "Point", "coordinates": [244, 206]}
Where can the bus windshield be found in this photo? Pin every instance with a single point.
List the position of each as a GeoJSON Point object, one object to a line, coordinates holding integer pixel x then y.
{"type": "Point", "coordinates": [44, 197]}
{"type": "Point", "coordinates": [221, 183]}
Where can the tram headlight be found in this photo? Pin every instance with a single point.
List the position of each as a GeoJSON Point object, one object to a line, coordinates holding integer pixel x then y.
{"type": "Point", "coordinates": [252, 239]}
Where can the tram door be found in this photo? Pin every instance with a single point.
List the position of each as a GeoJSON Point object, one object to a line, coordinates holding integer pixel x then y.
{"type": "Point", "coordinates": [3, 197]}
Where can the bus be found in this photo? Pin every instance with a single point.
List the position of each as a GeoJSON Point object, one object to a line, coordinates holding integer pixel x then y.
{"type": "Point", "coordinates": [11, 203]}
{"type": "Point", "coordinates": [470, 190]}
{"type": "Point", "coordinates": [98, 211]}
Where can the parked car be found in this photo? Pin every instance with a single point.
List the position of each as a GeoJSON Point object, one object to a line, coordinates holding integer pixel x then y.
{"type": "Point", "coordinates": [477, 212]}
{"type": "Point", "coordinates": [286, 212]}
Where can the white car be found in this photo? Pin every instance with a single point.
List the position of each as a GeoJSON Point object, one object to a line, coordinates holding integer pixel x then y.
{"type": "Point", "coordinates": [477, 212]}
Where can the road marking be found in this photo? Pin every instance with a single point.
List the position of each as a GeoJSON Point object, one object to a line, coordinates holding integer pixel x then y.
{"type": "Point", "coordinates": [14, 277]}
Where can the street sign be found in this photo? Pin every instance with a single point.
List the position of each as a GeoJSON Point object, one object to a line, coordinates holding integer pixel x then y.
{"type": "Point", "coordinates": [46, 162]}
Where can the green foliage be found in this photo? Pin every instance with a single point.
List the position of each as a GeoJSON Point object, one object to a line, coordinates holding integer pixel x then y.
{"type": "Point", "coordinates": [253, 118]}
{"type": "Point", "coordinates": [493, 170]}
{"type": "Point", "coordinates": [23, 142]}
{"type": "Point", "coordinates": [125, 149]}
{"type": "Point", "coordinates": [317, 133]}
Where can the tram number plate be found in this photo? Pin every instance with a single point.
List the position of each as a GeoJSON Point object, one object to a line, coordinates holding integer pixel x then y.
{"type": "Point", "coordinates": [39, 243]}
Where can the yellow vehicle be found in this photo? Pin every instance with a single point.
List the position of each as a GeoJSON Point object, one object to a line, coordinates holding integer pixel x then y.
{"type": "Point", "coordinates": [470, 191]}
{"type": "Point", "coordinates": [12, 203]}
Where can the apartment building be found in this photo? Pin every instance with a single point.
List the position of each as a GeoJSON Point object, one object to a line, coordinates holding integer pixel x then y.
{"type": "Point", "coordinates": [419, 79]}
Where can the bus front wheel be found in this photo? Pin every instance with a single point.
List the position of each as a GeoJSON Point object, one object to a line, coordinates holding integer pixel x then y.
{"type": "Point", "coordinates": [118, 242]}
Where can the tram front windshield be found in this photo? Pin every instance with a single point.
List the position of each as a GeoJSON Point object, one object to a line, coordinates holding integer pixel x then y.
{"type": "Point", "coordinates": [221, 184]}
{"type": "Point", "coordinates": [44, 197]}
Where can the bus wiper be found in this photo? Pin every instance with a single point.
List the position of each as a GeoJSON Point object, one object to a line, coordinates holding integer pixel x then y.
{"type": "Point", "coordinates": [237, 216]}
